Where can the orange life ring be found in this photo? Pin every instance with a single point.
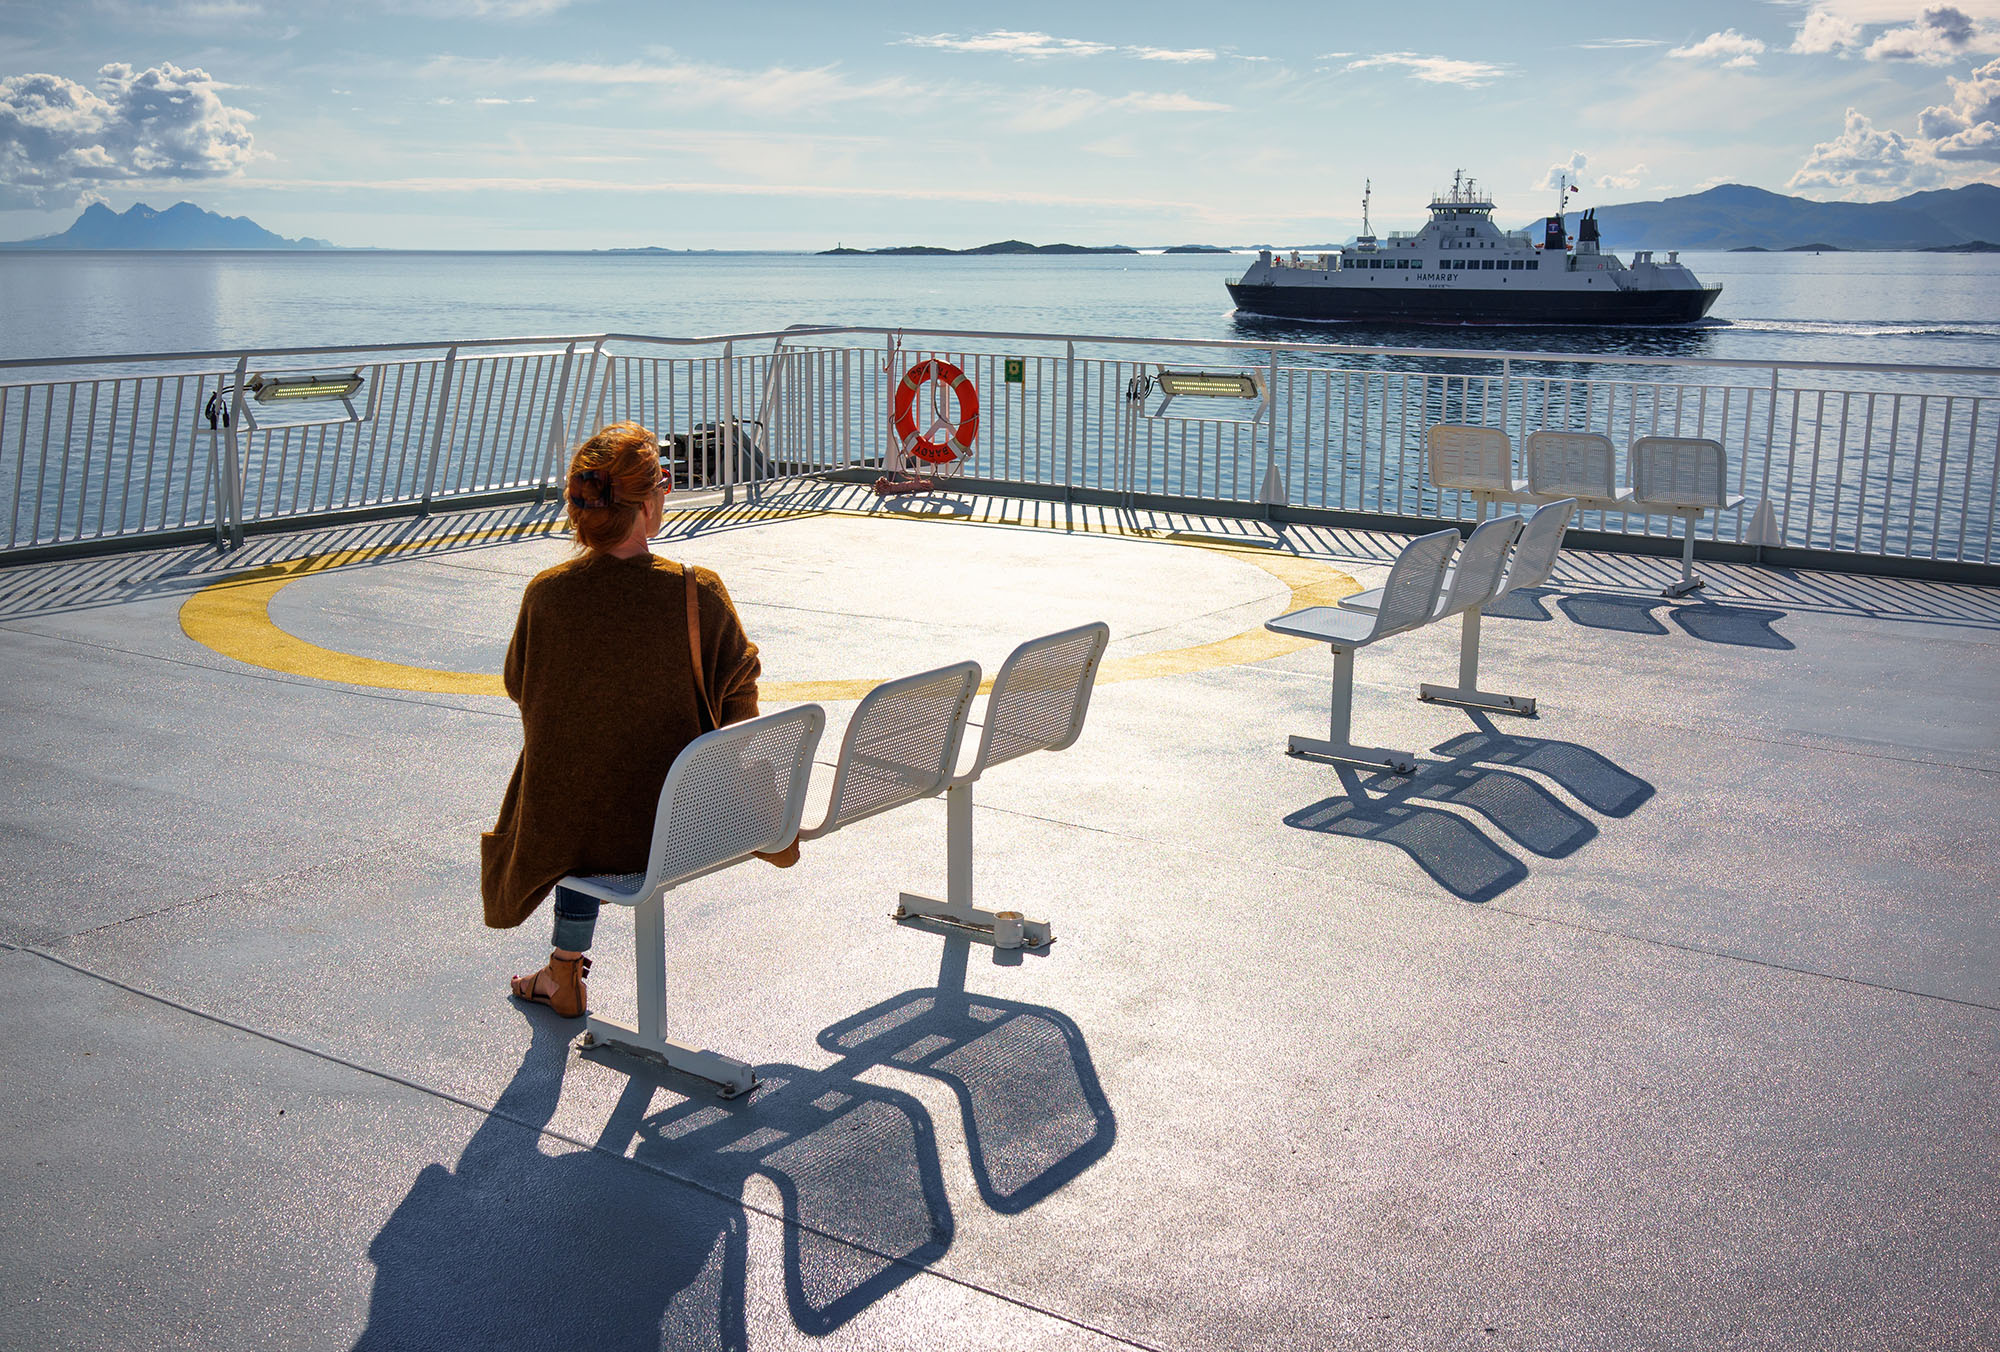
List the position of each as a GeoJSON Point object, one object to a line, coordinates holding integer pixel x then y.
{"type": "Point", "coordinates": [905, 418]}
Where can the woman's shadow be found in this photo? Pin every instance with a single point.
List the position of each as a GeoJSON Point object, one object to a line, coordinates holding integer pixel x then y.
{"type": "Point", "coordinates": [517, 1247]}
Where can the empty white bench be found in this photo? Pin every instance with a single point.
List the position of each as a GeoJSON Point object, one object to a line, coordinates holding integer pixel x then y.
{"type": "Point", "coordinates": [1533, 559]}
{"type": "Point", "coordinates": [1580, 465]}
{"type": "Point", "coordinates": [1474, 460]}
{"type": "Point", "coordinates": [1501, 555]}
{"type": "Point", "coordinates": [1408, 600]}
{"type": "Point", "coordinates": [730, 794]}
{"type": "Point", "coordinates": [1038, 703]}
{"type": "Point", "coordinates": [1686, 477]}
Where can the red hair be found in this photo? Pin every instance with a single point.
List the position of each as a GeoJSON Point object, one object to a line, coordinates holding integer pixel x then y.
{"type": "Point", "coordinates": [610, 477]}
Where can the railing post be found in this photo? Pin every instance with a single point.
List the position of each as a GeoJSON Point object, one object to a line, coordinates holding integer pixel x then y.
{"type": "Point", "coordinates": [437, 427]}
{"type": "Point", "coordinates": [1271, 438]}
{"type": "Point", "coordinates": [557, 432]}
{"type": "Point", "coordinates": [766, 414]}
{"type": "Point", "coordinates": [1069, 416]}
{"type": "Point", "coordinates": [728, 423]}
{"type": "Point", "coordinates": [229, 483]}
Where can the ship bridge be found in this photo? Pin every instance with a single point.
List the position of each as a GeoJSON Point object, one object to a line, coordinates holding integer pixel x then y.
{"type": "Point", "coordinates": [1668, 1017]}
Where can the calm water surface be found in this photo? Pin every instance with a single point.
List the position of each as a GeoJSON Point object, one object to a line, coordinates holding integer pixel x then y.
{"type": "Point", "coordinates": [1909, 309]}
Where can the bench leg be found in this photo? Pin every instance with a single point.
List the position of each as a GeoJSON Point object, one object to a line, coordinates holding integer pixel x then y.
{"type": "Point", "coordinates": [1467, 694]}
{"type": "Point", "coordinates": [1002, 929]}
{"type": "Point", "coordinates": [1688, 580]}
{"type": "Point", "coordinates": [1339, 719]}
{"type": "Point", "coordinates": [649, 944]}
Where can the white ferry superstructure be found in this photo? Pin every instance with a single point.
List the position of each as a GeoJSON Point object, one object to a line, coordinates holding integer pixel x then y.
{"type": "Point", "coordinates": [1461, 268]}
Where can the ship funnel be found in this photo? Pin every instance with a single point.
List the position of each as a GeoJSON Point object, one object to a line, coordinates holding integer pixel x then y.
{"type": "Point", "coordinates": [1554, 240]}
{"type": "Point", "coordinates": [1586, 228]}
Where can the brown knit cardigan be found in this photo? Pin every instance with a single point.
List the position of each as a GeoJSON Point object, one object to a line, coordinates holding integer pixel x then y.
{"type": "Point", "coordinates": [599, 666]}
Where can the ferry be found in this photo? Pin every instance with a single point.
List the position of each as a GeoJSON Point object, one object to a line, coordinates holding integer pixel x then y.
{"type": "Point", "coordinates": [1461, 268]}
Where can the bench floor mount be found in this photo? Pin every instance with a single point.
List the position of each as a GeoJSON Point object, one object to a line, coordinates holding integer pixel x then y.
{"type": "Point", "coordinates": [1466, 697]}
{"type": "Point", "coordinates": [730, 1076]}
{"type": "Point", "coordinates": [1002, 929]}
{"type": "Point", "coordinates": [1373, 757]}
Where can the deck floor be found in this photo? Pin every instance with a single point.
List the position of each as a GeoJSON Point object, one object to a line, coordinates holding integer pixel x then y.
{"type": "Point", "coordinates": [1667, 1019]}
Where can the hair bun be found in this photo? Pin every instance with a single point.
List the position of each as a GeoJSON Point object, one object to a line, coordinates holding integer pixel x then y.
{"type": "Point", "coordinates": [590, 490]}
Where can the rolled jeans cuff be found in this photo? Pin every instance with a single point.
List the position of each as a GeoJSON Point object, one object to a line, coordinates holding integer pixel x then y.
{"type": "Point", "coordinates": [576, 920]}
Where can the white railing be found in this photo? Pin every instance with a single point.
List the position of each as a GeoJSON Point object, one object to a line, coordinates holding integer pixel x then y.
{"type": "Point", "coordinates": [1856, 459]}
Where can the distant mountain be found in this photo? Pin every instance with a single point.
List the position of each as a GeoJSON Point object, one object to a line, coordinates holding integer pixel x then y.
{"type": "Point", "coordinates": [1005, 246]}
{"type": "Point", "coordinates": [1734, 216]}
{"type": "Point", "coordinates": [181, 226]}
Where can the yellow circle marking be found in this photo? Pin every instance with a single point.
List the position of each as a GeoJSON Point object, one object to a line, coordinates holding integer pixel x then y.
{"type": "Point", "coordinates": [233, 618]}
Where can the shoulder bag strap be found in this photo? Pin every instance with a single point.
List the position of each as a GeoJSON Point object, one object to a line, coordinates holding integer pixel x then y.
{"type": "Point", "coordinates": [702, 704]}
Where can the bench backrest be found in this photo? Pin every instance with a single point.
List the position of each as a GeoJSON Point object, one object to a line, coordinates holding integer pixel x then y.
{"type": "Point", "coordinates": [1410, 596]}
{"type": "Point", "coordinates": [1572, 464]}
{"type": "Point", "coordinates": [1040, 696]}
{"type": "Point", "coordinates": [901, 745]}
{"type": "Point", "coordinates": [733, 792]}
{"type": "Point", "coordinates": [1482, 559]}
{"type": "Point", "coordinates": [1470, 457]}
{"type": "Point", "coordinates": [1679, 471]}
{"type": "Point", "coordinates": [1541, 541]}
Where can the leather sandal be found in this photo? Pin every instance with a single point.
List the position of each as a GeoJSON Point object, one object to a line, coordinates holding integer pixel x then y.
{"type": "Point", "coordinates": [570, 997]}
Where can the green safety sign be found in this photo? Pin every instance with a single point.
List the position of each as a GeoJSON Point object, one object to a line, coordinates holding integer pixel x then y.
{"type": "Point", "coordinates": [1017, 371]}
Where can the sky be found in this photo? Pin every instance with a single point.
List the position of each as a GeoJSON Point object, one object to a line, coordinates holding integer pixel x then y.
{"type": "Point", "coordinates": [589, 124]}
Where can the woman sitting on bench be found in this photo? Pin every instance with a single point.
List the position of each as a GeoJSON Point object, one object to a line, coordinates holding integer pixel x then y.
{"type": "Point", "coordinates": [602, 667]}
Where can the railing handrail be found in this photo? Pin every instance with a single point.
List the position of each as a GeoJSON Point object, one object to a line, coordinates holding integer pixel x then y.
{"type": "Point", "coordinates": [985, 335]}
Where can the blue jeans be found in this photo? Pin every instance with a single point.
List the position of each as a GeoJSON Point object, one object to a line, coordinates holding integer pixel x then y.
{"type": "Point", "coordinates": [576, 918]}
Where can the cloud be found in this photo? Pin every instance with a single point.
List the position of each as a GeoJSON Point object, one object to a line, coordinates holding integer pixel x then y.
{"type": "Point", "coordinates": [1009, 42]}
{"type": "Point", "coordinates": [1571, 169]}
{"type": "Point", "coordinates": [1012, 42]}
{"type": "Point", "coordinates": [1731, 49]}
{"type": "Point", "coordinates": [1866, 162]}
{"type": "Point", "coordinates": [1823, 31]}
{"type": "Point", "coordinates": [1619, 44]}
{"type": "Point", "coordinates": [1052, 109]}
{"type": "Point", "coordinates": [775, 90]}
{"type": "Point", "coordinates": [1942, 36]}
{"type": "Point", "coordinates": [1577, 170]}
{"type": "Point", "coordinates": [59, 139]}
{"type": "Point", "coordinates": [1171, 54]}
{"type": "Point", "coordinates": [487, 9]}
{"type": "Point", "coordinates": [1967, 128]}
{"type": "Point", "coordinates": [1434, 69]}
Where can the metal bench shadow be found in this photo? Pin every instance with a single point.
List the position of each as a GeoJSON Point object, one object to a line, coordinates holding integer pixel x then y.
{"type": "Point", "coordinates": [1457, 855]}
{"type": "Point", "coordinates": [1515, 804]}
{"type": "Point", "coordinates": [1709, 621]}
{"type": "Point", "coordinates": [517, 1247]}
{"type": "Point", "coordinates": [1593, 779]}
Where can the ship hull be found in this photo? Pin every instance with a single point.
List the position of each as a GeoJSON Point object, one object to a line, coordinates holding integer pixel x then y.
{"type": "Point", "coordinates": [1449, 305]}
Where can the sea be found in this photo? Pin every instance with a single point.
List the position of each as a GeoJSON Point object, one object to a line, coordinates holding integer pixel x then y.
{"type": "Point", "coordinates": [1904, 309]}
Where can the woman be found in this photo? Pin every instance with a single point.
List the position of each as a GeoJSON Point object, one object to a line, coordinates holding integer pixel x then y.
{"type": "Point", "coordinates": [600, 667]}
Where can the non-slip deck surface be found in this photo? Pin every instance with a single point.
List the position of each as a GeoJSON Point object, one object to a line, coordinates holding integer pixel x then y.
{"type": "Point", "coordinates": [1668, 1019]}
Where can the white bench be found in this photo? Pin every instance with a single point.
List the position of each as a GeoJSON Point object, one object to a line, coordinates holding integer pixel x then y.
{"type": "Point", "coordinates": [1038, 703]}
{"type": "Point", "coordinates": [730, 793]}
{"type": "Point", "coordinates": [901, 745]}
{"type": "Point", "coordinates": [742, 789]}
{"type": "Point", "coordinates": [1533, 559]}
{"type": "Point", "coordinates": [1474, 460]}
{"type": "Point", "coordinates": [1409, 600]}
{"type": "Point", "coordinates": [1686, 477]}
{"type": "Point", "coordinates": [1683, 477]}
{"type": "Point", "coordinates": [1580, 465]}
